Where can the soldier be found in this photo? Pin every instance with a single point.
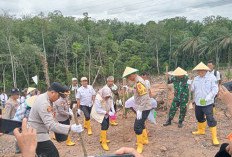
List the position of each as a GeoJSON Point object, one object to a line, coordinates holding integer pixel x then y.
{"type": "Point", "coordinates": [115, 95]}
{"type": "Point", "coordinates": [181, 95]}
{"type": "Point", "coordinates": [41, 119]}
{"type": "Point", "coordinates": [143, 106]}
{"type": "Point", "coordinates": [205, 88]}
{"type": "Point", "coordinates": [102, 109]}
{"type": "Point", "coordinates": [85, 99]}
{"type": "Point", "coordinates": [73, 89]}
{"type": "Point", "coordinates": [63, 116]}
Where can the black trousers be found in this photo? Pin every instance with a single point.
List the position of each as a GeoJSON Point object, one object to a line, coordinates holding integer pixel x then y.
{"type": "Point", "coordinates": [62, 137]}
{"type": "Point", "coordinates": [72, 102]}
{"type": "Point", "coordinates": [87, 111]}
{"type": "Point", "coordinates": [46, 149]}
{"type": "Point", "coordinates": [139, 125]}
{"type": "Point", "coordinates": [222, 152]}
{"type": "Point", "coordinates": [201, 111]}
{"type": "Point", "coordinates": [105, 124]}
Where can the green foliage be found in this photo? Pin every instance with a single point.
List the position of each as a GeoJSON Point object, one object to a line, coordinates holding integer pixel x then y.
{"type": "Point", "coordinates": [112, 44]}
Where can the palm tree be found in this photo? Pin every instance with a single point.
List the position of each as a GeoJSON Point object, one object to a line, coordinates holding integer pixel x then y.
{"type": "Point", "coordinates": [191, 43]}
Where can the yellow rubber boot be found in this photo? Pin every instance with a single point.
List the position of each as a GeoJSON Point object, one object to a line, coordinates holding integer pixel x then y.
{"type": "Point", "coordinates": [140, 143]}
{"type": "Point", "coordinates": [103, 137]}
{"type": "Point", "coordinates": [214, 110]}
{"type": "Point", "coordinates": [112, 122]}
{"type": "Point", "coordinates": [69, 143]}
{"type": "Point", "coordinates": [145, 139]}
{"type": "Point", "coordinates": [107, 141]}
{"type": "Point", "coordinates": [85, 125]}
{"type": "Point", "coordinates": [214, 136]}
{"type": "Point", "coordinates": [89, 127]}
{"type": "Point", "coordinates": [201, 129]}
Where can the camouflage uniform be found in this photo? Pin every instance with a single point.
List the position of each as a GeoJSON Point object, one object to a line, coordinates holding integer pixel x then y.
{"type": "Point", "coordinates": [181, 97]}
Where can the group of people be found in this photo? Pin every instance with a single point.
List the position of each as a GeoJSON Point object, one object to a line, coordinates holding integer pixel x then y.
{"type": "Point", "coordinates": [101, 106]}
{"type": "Point", "coordinates": [205, 88]}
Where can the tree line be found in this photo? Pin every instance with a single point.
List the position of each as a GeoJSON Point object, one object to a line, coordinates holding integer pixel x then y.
{"type": "Point", "coordinates": [57, 47]}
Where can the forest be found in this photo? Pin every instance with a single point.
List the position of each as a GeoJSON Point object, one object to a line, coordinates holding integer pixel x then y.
{"type": "Point", "coordinates": [56, 47]}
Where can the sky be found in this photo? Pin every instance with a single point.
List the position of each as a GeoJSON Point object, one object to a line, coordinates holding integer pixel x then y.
{"type": "Point", "coordinates": [137, 11]}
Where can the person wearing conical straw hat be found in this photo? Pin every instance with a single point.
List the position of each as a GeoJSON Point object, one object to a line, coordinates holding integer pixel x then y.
{"type": "Point", "coordinates": [205, 88]}
{"type": "Point", "coordinates": [143, 106]}
{"type": "Point", "coordinates": [30, 92]}
{"type": "Point", "coordinates": [181, 95]}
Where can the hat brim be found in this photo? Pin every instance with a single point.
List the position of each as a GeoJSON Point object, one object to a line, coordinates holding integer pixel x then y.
{"type": "Point", "coordinates": [16, 93]}
{"type": "Point", "coordinates": [30, 101]}
{"type": "Point", "coordinates": [130, 73]}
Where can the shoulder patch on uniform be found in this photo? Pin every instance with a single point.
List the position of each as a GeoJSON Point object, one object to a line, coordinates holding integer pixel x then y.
{"type": "Point", "coordinates": [49, 109]}
{"type": "Point", "coordinates": [141, 88]}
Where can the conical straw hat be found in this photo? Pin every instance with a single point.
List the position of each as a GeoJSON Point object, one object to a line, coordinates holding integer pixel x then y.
{"type": "Point", "coordinates": [129, 71]}
{"type": "Point", "coordinates": [30, 101]}
{"type": "Point", "coordinates": [201, 66]}
{"type": "Point", "coordinates": [179, 72]}
{"type": "Point", "coordinates": [30, 89]}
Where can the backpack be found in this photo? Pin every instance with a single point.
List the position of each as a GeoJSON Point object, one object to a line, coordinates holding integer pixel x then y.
{"type": "Point", "coordinates": [215, 74]}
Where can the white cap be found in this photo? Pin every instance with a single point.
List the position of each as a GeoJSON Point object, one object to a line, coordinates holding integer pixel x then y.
{"type": "Point", "coordinates": [84, 79]}
{"type": "Point", "coordinates": [74, 79]}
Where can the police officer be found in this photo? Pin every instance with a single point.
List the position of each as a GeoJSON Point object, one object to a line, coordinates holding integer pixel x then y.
{"type": "Point", "coordinates": [12, 104]}
{"type": "Point", "coordinates": [85, 99]}
{"type": "Point", "coordinates": [41, 119]}
{"type": "Point", "coordinates": [205, 88]}
{"type": "Point", "coordinates": [63, 116]}
{"type": "Point", "coordinates": [181, 95]}
{"type": "Point", "coordinates": [143, 106]}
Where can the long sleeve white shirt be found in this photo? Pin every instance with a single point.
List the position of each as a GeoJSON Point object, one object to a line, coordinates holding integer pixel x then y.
{"type": "Point", "coordinates": [205, 88]}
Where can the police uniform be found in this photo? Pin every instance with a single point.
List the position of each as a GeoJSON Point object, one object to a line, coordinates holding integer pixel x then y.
{"type": "Point", "coordinates": [63, 116]}
{"type": "Point", "coordinates": [205, 89]}
{"type": "Point", "coordinates": [41, 119]}
{"type": "Point", "coordinates": [143, 106]}
{"type": "Point", "coordinates": [85, 94]}
{"type": "Point", "coordinates": [100, 111]}
{"type": "Point", "coordinates": [11, 104]}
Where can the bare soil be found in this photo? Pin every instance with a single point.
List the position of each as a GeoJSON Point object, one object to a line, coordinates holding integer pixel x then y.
{"type": "Point", "coordinates": [168, 141]}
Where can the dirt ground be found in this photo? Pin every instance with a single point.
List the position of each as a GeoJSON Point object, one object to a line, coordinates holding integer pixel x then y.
{"type": "Point", "coordinates": [164, 141]}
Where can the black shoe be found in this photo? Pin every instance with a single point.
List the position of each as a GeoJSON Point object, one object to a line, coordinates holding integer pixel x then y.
{"type": "Point", "coordinates": [168, 122]}
{"type": "Point", "coordinates": [180, 124]}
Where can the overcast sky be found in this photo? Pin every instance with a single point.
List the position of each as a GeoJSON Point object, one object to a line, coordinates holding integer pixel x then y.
{"type": "Point", "coordinates": [138, 11]}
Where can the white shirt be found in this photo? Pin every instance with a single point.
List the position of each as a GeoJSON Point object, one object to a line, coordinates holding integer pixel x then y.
{"type": "Point", "coordinates": [3, 97]}
{"type": "Point", "coordinates": [205, 88]}
{"type": "Point", "coordinates": [85, 95]}
{"type": "Point", "coordinates": [218, 77]}
{"type": "Point", "coordinates": [22, 99]}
